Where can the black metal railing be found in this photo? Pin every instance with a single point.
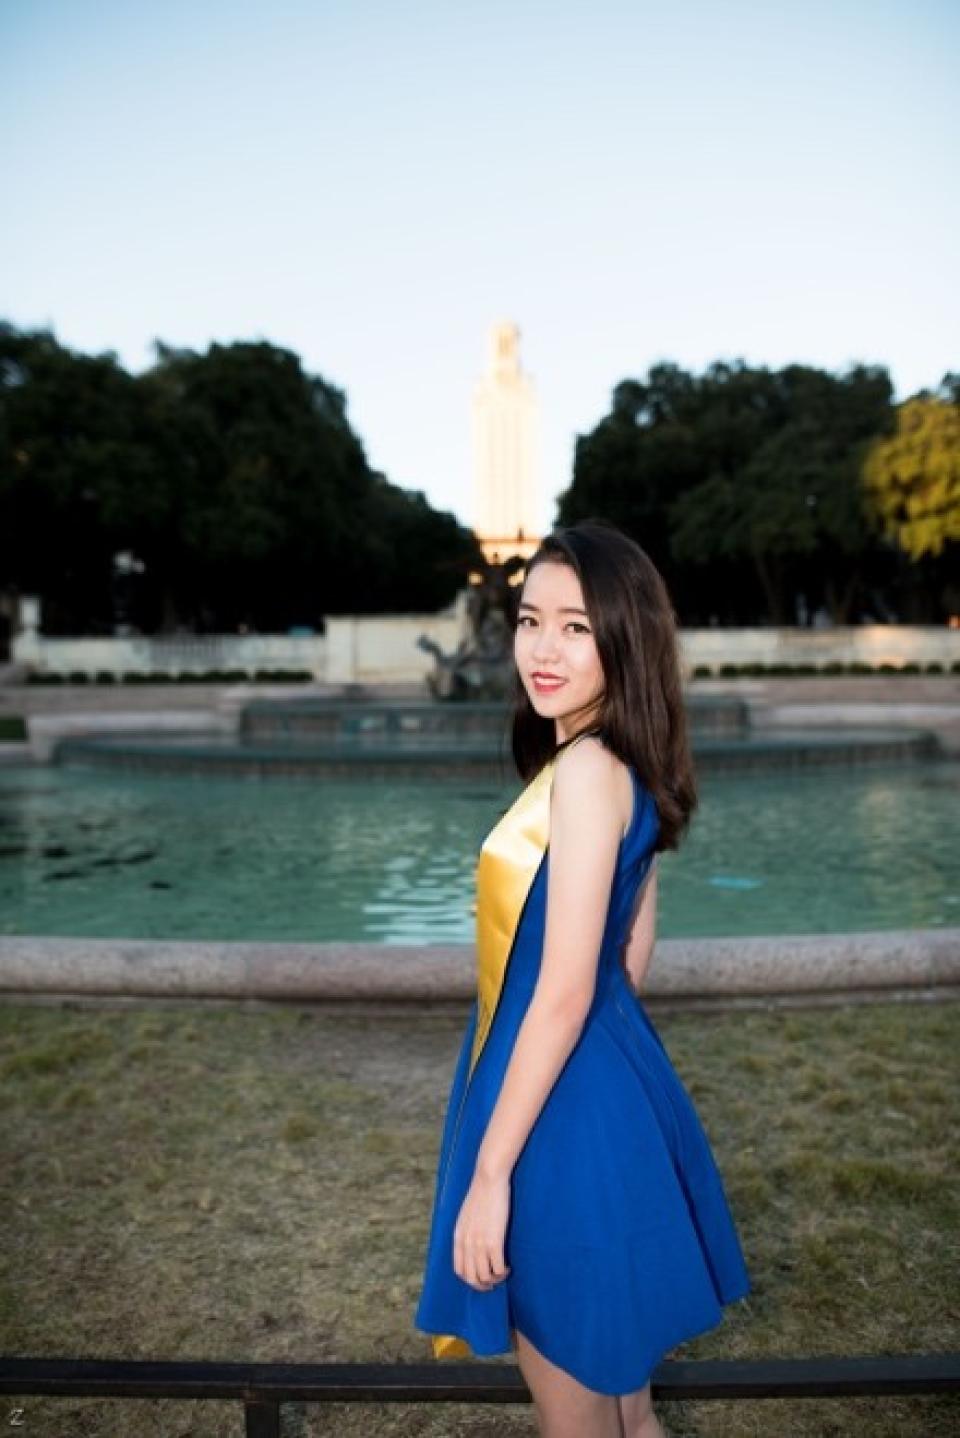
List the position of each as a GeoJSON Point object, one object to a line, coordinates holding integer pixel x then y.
{"type": "Point", "coordinates": [263, 1388]}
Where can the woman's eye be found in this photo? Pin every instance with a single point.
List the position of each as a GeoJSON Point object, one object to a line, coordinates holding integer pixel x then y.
{"type": "Point", "coordinates": [525, 620]}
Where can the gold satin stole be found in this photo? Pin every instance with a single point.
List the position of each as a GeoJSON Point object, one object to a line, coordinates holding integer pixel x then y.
{"type": "Point", "coordinates": [508, 863]}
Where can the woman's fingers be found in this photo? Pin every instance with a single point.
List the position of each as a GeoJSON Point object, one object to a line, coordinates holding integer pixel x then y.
{"type": "Point", "coordinates": [479, 1263]}
{"type": "Point", "coordinates": [498, 1264]}
{"type": "Point", "coordinates": [491, 1263]}
{"type": "Point", "coordinates": [479, 1234]}
{"type": "Point", "coordinates": [483, 1267]}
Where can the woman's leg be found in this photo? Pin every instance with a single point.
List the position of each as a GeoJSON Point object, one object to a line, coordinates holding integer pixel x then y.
{"type": "Point", "coordinates": [637, 1415]}
{"type": "Point", "coordinates": [564, 1407]}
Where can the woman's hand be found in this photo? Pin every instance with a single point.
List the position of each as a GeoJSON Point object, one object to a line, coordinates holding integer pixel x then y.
{"type": "Point", "coordinates": [478, 1236]}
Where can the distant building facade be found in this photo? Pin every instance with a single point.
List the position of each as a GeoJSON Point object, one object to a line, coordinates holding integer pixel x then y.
{"type": "Point", "coordinates": [506, 451]}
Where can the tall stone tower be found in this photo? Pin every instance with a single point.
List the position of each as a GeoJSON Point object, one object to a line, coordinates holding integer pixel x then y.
{"type": "Point", "coordinates": [506, 444]}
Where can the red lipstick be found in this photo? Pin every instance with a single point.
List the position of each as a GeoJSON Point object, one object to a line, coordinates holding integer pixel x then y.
{"type": "Point", "coordinates": [545, 683]}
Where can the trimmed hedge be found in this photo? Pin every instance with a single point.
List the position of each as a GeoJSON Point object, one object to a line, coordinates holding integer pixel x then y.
{"type": "Point", "coordinates": [161, 676]}
{"type": "Point", "coordinates": [305, 676]}
{"type": "Point", "coordinates": [13, 729]}
{"type": "Point", "coordinates": [734, 671]}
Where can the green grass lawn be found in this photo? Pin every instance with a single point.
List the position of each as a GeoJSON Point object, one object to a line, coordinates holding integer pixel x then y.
{"type": "Point", "coordinates": [255, 1184]}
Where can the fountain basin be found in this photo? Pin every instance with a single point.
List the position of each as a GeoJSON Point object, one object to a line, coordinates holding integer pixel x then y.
{"type": "Point", "coordinates": [372, 754]}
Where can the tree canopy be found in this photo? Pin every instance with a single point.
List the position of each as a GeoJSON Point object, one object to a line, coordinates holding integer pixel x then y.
{"type": "Point", "coordinates": [233, 476]}
{"type": "Point", "coordinates": [913, 475]}
{"type": "Point", "coordinates": [236, 484]}
{"type": "Point", "coordinates": [749, 488]}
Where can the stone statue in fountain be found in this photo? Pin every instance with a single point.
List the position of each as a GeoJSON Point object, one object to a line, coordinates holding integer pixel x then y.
{"type": "Point", "coordinates": [481, 666]}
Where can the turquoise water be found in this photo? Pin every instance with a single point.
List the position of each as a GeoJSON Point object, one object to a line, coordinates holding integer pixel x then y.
{"type": "Point", "coordinates": [89, 853]}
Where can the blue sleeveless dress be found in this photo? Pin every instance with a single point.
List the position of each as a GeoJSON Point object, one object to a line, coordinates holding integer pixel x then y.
{"type": "Point", "coordinates": [620, 1241]}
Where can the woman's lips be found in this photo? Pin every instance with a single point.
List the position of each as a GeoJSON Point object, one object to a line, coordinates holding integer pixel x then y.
{"type": "Point", "coordinates": [546, 686]}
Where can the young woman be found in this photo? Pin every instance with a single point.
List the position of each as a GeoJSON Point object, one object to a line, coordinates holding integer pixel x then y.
{"type": "Point", "coordinates": [579, 1215]}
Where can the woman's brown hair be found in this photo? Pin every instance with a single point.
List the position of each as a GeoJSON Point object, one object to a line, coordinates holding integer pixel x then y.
{"type": "Point", "coordinates": [641, 716]}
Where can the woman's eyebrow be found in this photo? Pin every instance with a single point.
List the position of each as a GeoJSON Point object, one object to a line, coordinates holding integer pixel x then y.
{"type": "Point", "coordinates": [568, 609]}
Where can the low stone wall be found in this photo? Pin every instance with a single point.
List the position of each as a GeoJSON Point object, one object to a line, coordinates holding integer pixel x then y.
{"type": "Point", "coordinates": [382, 649]}
{"type": "Point", "coordinates": [697, 969]}
{"type": "Point", "coordinates": [369, 649]}
{"type": "Point", "coordinates": [872, 644]}
{"type": "Point", "coordinates": [350, 650]}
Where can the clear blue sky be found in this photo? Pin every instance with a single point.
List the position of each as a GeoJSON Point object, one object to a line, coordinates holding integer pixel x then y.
{"type": "Point", "coordinates": [373, 184]}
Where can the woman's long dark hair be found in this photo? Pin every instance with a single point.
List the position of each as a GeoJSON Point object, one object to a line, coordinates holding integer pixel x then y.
{"type": "Point", "coordinates": [641, 717]}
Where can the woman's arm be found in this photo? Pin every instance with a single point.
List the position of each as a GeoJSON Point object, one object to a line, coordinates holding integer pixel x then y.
{"type": "Point", "coordinates": [639, 945]}
{"type": "Point", "coordinates": [586, 823]}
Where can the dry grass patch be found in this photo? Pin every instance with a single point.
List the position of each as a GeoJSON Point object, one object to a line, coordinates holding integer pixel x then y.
{"type": "Point", "coordinates": [256, 1184]}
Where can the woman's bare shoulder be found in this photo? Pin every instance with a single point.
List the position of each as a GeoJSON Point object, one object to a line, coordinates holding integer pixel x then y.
{"type": "Point", "coordinates": [588, 774]}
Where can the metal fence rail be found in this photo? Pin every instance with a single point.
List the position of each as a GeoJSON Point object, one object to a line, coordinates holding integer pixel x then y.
{"type": "Point", "coordinates": [264, 1387]}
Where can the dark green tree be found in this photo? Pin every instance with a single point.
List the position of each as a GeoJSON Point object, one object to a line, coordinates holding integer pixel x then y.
{"type": "Point", "coordinates": [72, 442]}
{"type": "Point", "coordinates": [233, 476]}
{"type": "Point", "coordinates": [275, 516]}
{"type": "Point", "coordinates": [744, 485]}
{"type": "Point", "coordinates": [794, 504]}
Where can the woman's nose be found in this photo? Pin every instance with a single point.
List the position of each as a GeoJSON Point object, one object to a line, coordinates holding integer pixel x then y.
{"type": "Point", "coordinates": [546, 643]}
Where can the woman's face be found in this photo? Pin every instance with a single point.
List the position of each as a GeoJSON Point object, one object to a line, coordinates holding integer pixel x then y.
{"type": "Point", "coordinates": [555, 651]}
